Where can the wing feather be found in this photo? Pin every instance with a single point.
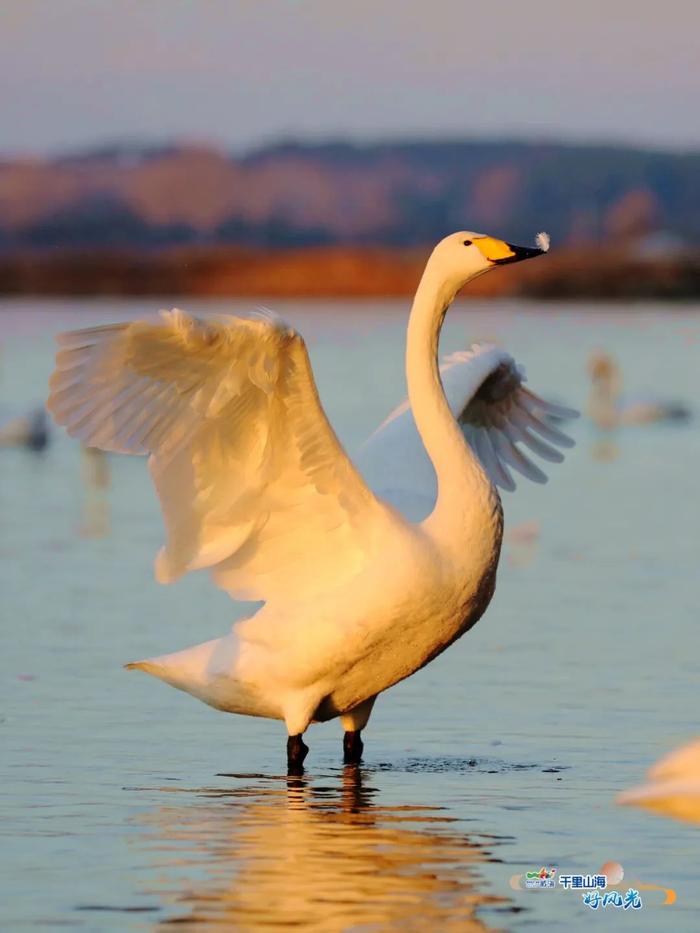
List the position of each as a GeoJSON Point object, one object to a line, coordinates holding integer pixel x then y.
{"type": "Point", "coordinates": [546, 430]}
{"type": "Point", "coordinates": [252, 480]}
{"type": "Point", "coordinates": [485, 389]}
{"type": "Point", "coordinates": [490, 460]}
{"type": "Point", "coordinates": [508, 452]}
{"type": "Point", "coordinates": [518, 433]}
{"type": "Point", "coordinates": [548, 408]}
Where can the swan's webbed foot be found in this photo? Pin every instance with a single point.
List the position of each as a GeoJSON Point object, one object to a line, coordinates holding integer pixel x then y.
{"type": "Point", "coordinates": [352, 747]}
{"type": "Point", "coordinates": [296, 753]}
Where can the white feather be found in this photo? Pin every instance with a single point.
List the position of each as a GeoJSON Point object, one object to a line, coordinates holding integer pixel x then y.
{"type": "Point", "coordinates": [542, 240]}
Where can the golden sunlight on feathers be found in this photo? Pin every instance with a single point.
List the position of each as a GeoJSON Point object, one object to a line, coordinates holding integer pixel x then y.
{"type": "Point", "coordinates": [673, 788]}
{"type": "Point", "coordinates": [254, 485]}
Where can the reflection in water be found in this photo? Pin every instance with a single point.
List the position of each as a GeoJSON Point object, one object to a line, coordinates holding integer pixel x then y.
{"type": "Point", "coordinates": [605, 450]}
{"type": "Point", "coordinates": [521, 543]}
{"type": "Point", "coordinates": [285, 852]}
{"type": "Point", "coordinates": [96, 477]}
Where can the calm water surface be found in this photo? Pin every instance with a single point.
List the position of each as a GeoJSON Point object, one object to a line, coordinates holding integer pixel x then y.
{"type": "Point", "coordinates": [127, 805]}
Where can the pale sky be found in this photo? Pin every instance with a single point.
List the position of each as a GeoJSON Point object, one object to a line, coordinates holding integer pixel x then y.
{"type": "Point", "coordinates": [243, 72]}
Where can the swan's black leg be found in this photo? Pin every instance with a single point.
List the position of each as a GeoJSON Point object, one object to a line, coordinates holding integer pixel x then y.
{"type": "Point", "coordinates": [296, 753]}
{"type": "Point", "coordinates": [352, 747]}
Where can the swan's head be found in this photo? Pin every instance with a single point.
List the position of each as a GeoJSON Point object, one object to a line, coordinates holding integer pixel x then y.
{"type": "Point", "coordinates": [464, 255]}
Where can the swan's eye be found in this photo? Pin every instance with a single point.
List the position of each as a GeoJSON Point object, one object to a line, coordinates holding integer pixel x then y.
{"type": "Point", "coordinates": [467, 242]}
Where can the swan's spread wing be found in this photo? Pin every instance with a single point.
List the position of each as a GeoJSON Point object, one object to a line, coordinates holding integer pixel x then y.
{"type": "Point", "coordinates": [497, 413]}
{"type": "Point", "coordinates": [504, 423]}
{"type": "Point", "coordinates": [251, 477]}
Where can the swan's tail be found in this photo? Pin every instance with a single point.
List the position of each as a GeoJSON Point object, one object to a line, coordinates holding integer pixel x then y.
{"type": "Point", "coordinates": [187, 670]}
{"type": "Point", "coordinates": [211, 672]}
{"type": "Point", "coordinates": [148, 666]}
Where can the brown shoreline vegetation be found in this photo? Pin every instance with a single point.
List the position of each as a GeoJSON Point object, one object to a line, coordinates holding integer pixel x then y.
{"type": "Point", "coordinates": [336, 272]}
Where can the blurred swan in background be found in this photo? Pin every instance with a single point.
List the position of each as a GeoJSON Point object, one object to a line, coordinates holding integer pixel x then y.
{"type": "Point", "coordinates": [31, 431]}
{"type": "Point", "coordinates": [673, 787]}
{"type": "Point", "coordinates": [607, 408]}
{"type": "Point", "coordinates": [255, 486]}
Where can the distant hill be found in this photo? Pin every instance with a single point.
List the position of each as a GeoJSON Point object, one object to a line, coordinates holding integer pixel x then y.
{"type": "Point", "coordinates": [391, 194]}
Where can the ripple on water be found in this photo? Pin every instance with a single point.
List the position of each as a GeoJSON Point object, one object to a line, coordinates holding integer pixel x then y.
{"type": "Point", "coordinates": [439, 765]}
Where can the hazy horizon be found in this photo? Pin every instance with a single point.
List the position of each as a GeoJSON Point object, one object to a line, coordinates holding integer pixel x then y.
{"type": "Point", "coordinates": [87, 73]}
{"type": "Point", "coordinates": [341, 139]}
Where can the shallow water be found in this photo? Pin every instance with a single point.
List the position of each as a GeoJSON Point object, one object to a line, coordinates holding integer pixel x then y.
{"type": "Point", "coordinates": [128, 805]}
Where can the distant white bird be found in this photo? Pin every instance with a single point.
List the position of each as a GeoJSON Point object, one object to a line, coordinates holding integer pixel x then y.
{"type": "Point", "coordinates": [673, 787]}
{"type": "Point", "coordinates": [30, 431]}
{"type": "Point", "coordinates": [608, 409]}
{"type": "Point", "coordinates": [254, 485]}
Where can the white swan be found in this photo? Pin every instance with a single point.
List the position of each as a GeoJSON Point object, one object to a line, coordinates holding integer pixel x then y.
{"type": "Point", "coordinates": [673, 787]}
{"type": "Point", "coordinates": [255, 486]}
{"type": "Point", "coordinates": [30, 431]}
{"type": "Point", "coordinates": [609, 410]}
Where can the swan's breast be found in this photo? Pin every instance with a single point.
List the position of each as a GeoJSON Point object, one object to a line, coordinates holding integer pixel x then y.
{"type": "Point", "coordinates": [420, 627]}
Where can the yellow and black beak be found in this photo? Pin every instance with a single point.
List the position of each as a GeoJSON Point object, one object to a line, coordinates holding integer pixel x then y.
{"type": "Point", "coordinates": [499, 252]}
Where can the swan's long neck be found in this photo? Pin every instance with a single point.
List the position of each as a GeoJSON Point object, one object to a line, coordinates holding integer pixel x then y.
{"type": "Point", "coordinates": [463, 487]}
